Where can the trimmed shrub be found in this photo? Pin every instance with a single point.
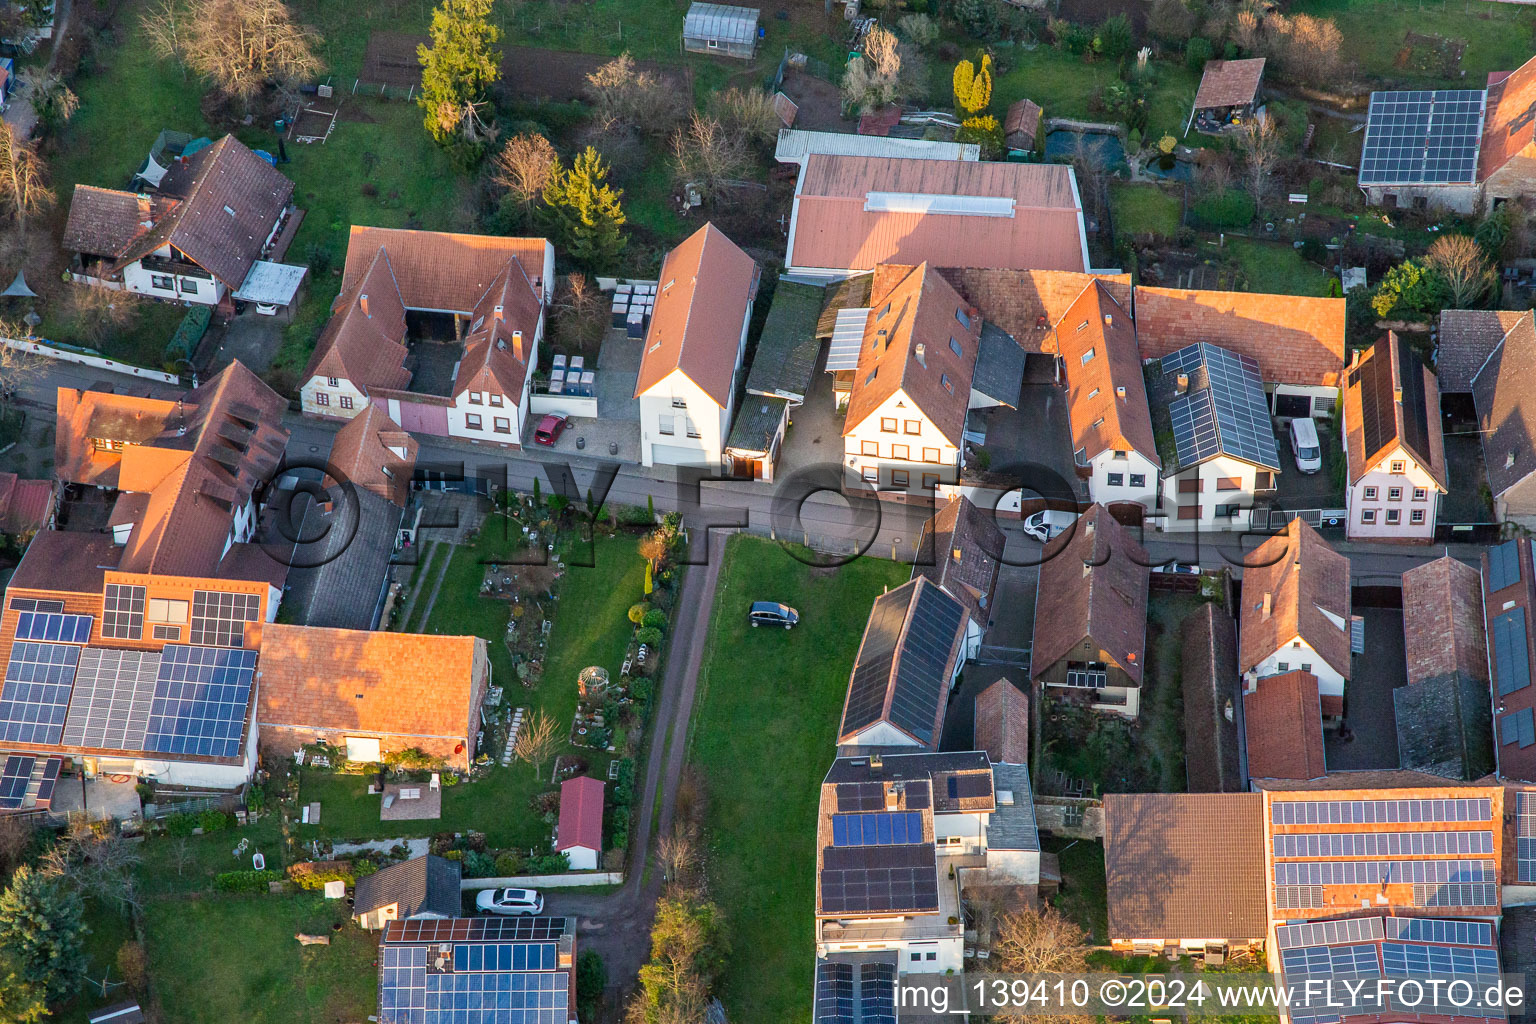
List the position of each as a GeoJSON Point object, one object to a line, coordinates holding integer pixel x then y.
{"type": "Point", "coordinates": [650, 636]}
{"type": "Point", "coordinates": [181, 824]}
{"type": "Point", "coordinates": [549, 864]}
{"type": "Point", "coordinates": [313, 875]}
{"type": "Point", "coordinates": [655, 618]}
{"type": "Point", "coordinates": [508, 865]}
{"type": "Point", "coordinates": [478, 865]}
{"type": "Point", "coordinates": [214, 821]}
{"type": "Point", "coordinates": [638, 611]}
{"type": "Point", "coordinates": [246, 881]}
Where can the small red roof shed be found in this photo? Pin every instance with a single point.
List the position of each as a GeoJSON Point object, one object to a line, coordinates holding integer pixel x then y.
{"type": "Point", "coordinates": [581, 814]}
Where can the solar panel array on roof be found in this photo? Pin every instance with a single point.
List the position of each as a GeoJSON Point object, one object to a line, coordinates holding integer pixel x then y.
{"type": "Point", "coordinates": [218, 619]}
{"type": "Point", "coordinates": [201, 696]}
{"type": "Point", "coordinates": [505, 956]}
{"type": "Point", "coordinates": [872, 670]}
{"type": "Point", "coordinates": [410, 993]}
{"type": "Point", "coordinates": [877, 993]}
{"type": "Point", "coordinates": [1511, 655]}
{"type": "Point", "coordinates": [860, 796]}
{"type": "Point", "coordinates": [1525, 841]}
{"type": "Point", "coordinates": [1327, 933]}
{"type": "Point", "coordinates": [1423, 137]}
{"type": "Point", "coordinates": [1518, 727]}
{"type": "Point", "coordinates": [122, 612]}
{"type": "Point", "coordinates": [1371, 812]}
{"type": "Point", "coordinates": [35, 697]}
{"type": "Point", "coordinates": [1503, 565]}
{"type": "Point", "coordinates": [476, 929]}
{"type": "Point", "coordinates": [1415, 412]}
{"type": "Point", "coordinates": [50, 779]}
{"type": "Point", "coordinates": [53, 627]}
{"type": "Point", "coordinates": [922, 666]}
{"type": "Point", "coordinates": [1227, 414]}
{"type": "Point", "coordinates": [1382, 872]}
{"type": "Point", "coordinates": [1461, 933]}
{"type": "Point", "coordinates": [879, 879]}
{"type": "Point", "coordinates": [882, 828]}
{"type": "Point", "coordinates": [114, 693]}
{"type": "Point", "coordinates": [834, 993]}
{"type": "Point", "coordinates": [1382, 844]}
{"type": "Point", "coordinates": [15, 777]}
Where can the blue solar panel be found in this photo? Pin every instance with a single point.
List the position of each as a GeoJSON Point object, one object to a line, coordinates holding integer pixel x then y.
{"type": "Point", "coordinates": [201, 696]}
{"type": "Point", "coordinates": [14, 780]}
{"type": "Point", "coordinates": [54, 628]}
{"type": "Point", "coordinates": [35, 698]}
{"type": "Point", "coordinates": [504, 956]}
{"type": "Point", "coordinates": [884, 828]}
{"type": "Point", "coordinates": [1422, 137]}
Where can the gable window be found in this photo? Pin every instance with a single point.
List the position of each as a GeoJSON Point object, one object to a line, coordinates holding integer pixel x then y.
{"type": "Point", "coordinates": [162, 281]}
{"type": "Point", "coordinates": [1115, 479]}
{"type": "Point", "coordinates": [912, 426]}
{"type": "Point", "coordinates": [678, 403]}
{"type": "Point", "coordinates": [1368, 516]}
{"type": "Point", "coordinates": [502, 425]}
{"type": "Point", "coordinates": [1394, 494]}
{"type": "Point", "coordinates": [664, 422]}
{"type": "Point", "coordinates": [693, 431]}
{"type": "Point", "coordinates": [495, 400]}
{"type": "Point", "coordinates": [930, 455]}
{"type": "Point", "coordinates": [1087, 357]}
{"type": "Point", "coordinates": [1370, 494]}
{"type": "Point", "coordinates": [869, 448]}
{"type": "Point", "coordinates": [1283, 666]}
{"type": "Point", "coordinates": [901, 452]}
{"type": "Point", "coordinates": [1118, 454]}
{"type": "Point", "coordinates": [1138, 479]}
{"type": "Point", "coordinates": [332, 382]}
{"type": "Point", "coordinates": [1416, 517]}
{"type": "Point", "coordinates": [1393, 517]}
{"type": "Point", "coordinates": [1420, 494]}
{"type": "Point", "coordinates": [887, 425]}
{"type": "Point", "coordinates": [1397, 465]}
{"type": "Point", "coordinates": [472, 421]}
{"type": "Point", "coordinates": [1306, 666]}
{"type": "Point", "coordinates": [321, 398]}
{"type": "Point", "coordinates": [346, 401]}
{"type": "Point", "coordinates": [954, 346]}
{"type": "Point", "coordinates": [475, 398]}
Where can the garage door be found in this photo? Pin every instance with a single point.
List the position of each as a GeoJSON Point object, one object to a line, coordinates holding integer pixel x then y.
{"type": "Point", "coordinates": [675, 455]}
{"type": "Point", "coordinates": [363, 749]}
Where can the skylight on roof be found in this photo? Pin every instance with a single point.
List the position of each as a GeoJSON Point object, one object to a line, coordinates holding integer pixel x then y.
{"type": "Point", "coordinates": [958, 206]}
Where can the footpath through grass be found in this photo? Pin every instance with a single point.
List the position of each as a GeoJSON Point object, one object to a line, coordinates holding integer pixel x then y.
{"type": "Point", "coordinates": [763, 733]}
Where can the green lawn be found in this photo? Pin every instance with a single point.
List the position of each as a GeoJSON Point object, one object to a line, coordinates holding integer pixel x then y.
{"type": "Point", "coordinates": [222, 958]}
{"type": "Point", "coordinates": [106, 931]}
{"type": "Point", "coordinates": [764, 731]}
{"type": "Point", "coordinates": [1277, 268]}
{"type": "Point", "coordinates": [1498, 36]}
{"type": "Point", "coordinates": [1144, 210]}
{"type": "Point", "coordinates": [590, 628]}
{"type": "Point", "coordinates": [1083, 897]}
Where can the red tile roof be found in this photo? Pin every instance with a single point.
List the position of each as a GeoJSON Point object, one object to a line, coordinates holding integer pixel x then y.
{"type": "Point", "coordinates": [498, 353]}
{"type": "Point", "coordinates": [1283, 719]}
{"type": "Point", "coordinates": [706, 286]}
{"type": "Point", "coordinates": [1229, 83]}
{"type": "Point", "coordinates": [394, 684]}
{"type": "Point", "coordinates": [373, 452]}
{"type": "Point", "coordinates": [107, 222]}
{"type": "Point", "coordinates": [1508, 125]}
{"type": "Point", "coordinates": [1002, 723]}
{"type": "Point", "coordinates": [364, 342]}
{"type": "Point", "coordinates": [913, 308]}
{"type": "Point", "coordinates": [1106, 392]}
{"type": "Point", "coordinates": [1374, 406]}
{"type": "Point", "coordinates": [438, 270]}
{"type": "Point", "coordinates": [832, 229]}
{"type": "Point", "coordinates": [1028, 304]}
{"type": "Point", "coordinates": [24, 504]}
{"type": "Point", "coordinates": [967, 550]}
{"type": "Point", "coordinates": [581, 814]}
{"type": "Point", "coordinates": [1095, 579]}
{"type": "Point", "coordinates": [1304, 582]}
{"type": "Point", "coordinates": [1294, 339]}
{"type": "Point", "coordinates": [1443, 621]}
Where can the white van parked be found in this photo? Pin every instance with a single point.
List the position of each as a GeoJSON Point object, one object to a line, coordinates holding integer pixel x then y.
{"type": "Point", "coordinates": [1044, 525]}
{"type": "Point", "coordinates": [1309, 455]}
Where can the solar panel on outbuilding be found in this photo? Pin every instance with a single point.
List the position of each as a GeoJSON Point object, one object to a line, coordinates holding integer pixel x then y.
{"type": "Point", "coordinates": [1511, 655]}
{"type": "Point", "coordinates": [1423, 137]}
{"type": "Point", "coordinates": [201, 696]}
{"type": "Point", "coordinates": [1503, 565]}
{"type": "Point", "coordinates": [847, 338]}
{"type": "Point", "coordinates": [35, 697]}
{"type": "Point", "coordinates": [14, 779]}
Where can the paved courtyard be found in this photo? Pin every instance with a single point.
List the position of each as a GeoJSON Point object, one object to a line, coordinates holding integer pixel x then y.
{"type": "Point", "coordinates": [615, 432]}
{"type": "Point", "coordinates": [1368, 696]}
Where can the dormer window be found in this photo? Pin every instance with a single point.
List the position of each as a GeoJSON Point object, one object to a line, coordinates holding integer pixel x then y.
{"type": "Point", "coordinates": [107, 444]}
{"type": "Point", "coordinates": [965, 321]}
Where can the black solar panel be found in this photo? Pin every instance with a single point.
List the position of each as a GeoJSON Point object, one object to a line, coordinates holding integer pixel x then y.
{"type": "Point", "coordinates": [49, 780]}
{"type": "Point", "coordinates": [1518, 727]}
{"type": "Point", "coordinates": [1378, 419]}
{"type": "Point", "coordinates": [872, 672]}
{"type": "Point", "coordinates": [1422, 137]}
{"type": "Point", "coordinates": [218, 618]}
{"type": "Point", "coordinates": [1503, 565]}
{"type": "Point", "coordinates": [122, 612]}
{"type": "Point", "coordinates": [879, 879]}
{"type": "Point", "coordinates": [877, 993]}
{"type": "Point", "coordinates": [922, 669]}
{"type": "Point", "coordinates": [860, 796]}
{"type": "Point", "coordinates": [1511, 655]}
{"type": "Point", "coordinates": [1225, 411]}
{"type": "Point", "coordinates": [834, 993]}
{"type": "Point", "coordinates": [1415, 414]}
{"type": "Point", "coordinates": [14, 779]}
{"type": "Point", "coordinates": [476, 929]}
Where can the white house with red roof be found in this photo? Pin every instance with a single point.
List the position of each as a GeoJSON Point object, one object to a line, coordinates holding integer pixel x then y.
{"type": "Point", "coordinates": [693, 351]}
{"type": "Point", "coordinates": [580, 832]}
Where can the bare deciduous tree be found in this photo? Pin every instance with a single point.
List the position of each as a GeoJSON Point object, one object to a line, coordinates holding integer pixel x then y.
{"type": "Point", "coordinates": [18, 368]}
{"type": "Point", "coordinates": [181, 855]}
{"type": "Point", "coordinates": [1306, 48]}
{"type": "Point", "coordinates": [1027, 941]}
{"type": "Point", "coordinates": [707, 156]}
{"type": "Point", "coordinates": [95, 313]}
{"type": "Point", "coordinates": [165, 24]}
{"type": "Point", "coordinates": [581, 315]}
{"type": "Point", "coordinates": [524, 167]}
{"type": "Point", "coordinates": [874, 79]}
{"type": "Point", "coordinates": [678, 853]}
{"type": "Point", "coordinates": [536, 742]}
{"type": "Point", "coordinates": [15, 841]}
{"type": "Point", "coordinates": [95, 860]}
{"type": "Point", "coordinates": [1260, 142]}
{"type": "Point", "coordinates": [625, 95]}
{"type": "Point", "coordinates": [23, 178]}
{"type": "Point", "coordinates": [239, 44]}
{"type": "Point", "coordinates": [1464, 266]}
{"type": "Point", "coordinates": [747, 113]}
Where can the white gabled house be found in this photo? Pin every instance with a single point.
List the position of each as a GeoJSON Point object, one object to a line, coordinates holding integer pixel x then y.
{"type": "Point", "coordinates": [1393, 444]}
{"type": "Point", "coordinates": [1296, 612]}
{"type": "Point", "coordinates": [693, 351]}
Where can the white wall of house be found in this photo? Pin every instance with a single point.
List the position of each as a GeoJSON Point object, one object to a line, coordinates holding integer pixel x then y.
{"type": "Point", "coordinates": [487, 416]}
{"type": "Point", "coordinates": [1123, 476]}
{"type": "Point", "coordinates": [1012, 867]}
{"type": "Point", "coordinates": [1225, 482]}
{"type": "Point", "coordinates": [960, 835]}
{"type": "Point", "coordinates": [897, 447]}
{"type": "Point", "coordinates": [1298, 655]}
{"type": "Point", "coordinates": [1372, 505]}
{"type": "Point", "coordinates": [1322, 401]}
{"type": "Point", "coordinates": [583, 858]}
{"type": "Point", "coordinates": [914, 956]}
{"type": "Point", "coordinates": [336, 397]}
{"type": "Point", "coordinates": [171, 286]}
{"type": "Point", "coordinates": [882, 734]}
{"type": "Point", "coordinates": [681, 425]}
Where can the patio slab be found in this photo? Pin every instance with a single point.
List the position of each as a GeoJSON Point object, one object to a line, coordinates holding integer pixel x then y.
{"type": "Point", "coordinates": [396, 805]}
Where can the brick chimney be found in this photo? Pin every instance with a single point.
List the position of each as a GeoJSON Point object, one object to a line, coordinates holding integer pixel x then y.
{"type": "Point", "coordinates": [517, 340]}
{"type": "Point", "coordinates": [362, 304]}
{"type": "Point", "coordinates": [498, 313]}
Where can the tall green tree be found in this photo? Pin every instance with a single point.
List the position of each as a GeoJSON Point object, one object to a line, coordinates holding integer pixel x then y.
{"type": "Point", "coordinates": [21, 1001]}
{"type": "Point", "coordinates": [459, 65]}
{"type": "Point", "coordinates": [585, 213]}
{"type": "Point", "coordinates": [41, 927]}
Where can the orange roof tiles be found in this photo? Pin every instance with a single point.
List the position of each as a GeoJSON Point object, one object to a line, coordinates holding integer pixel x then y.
{"type": "Point", "coordinates": [915, 343]}
{"type": "Point", "coordinates": [1305, 585]}
{"type": "Point", "coordinates": [439, 270]}
{"type": "Point", "coordinates": [375, 454]}
{"type": "Point", "coordinates": [706, 286]}
{"type": "Point", "coordinates": [1508, 125]}
{"type": "Point", "coordinates": [498, 349]}
{"type": "Point", "coordinates": [1028, 304]}
{"type": "Point", "coordinates": [1106, 393]}
{"type": "Point", "coordinates": [364, 341]}
{"type": "Point", "coordinates": [833, 228]}
{"type": "Point", "coordinates": [398, 684]}
{"type": "Point", "coordinates": [1295, 339]}
{"type": "Point", "coordinates": [1373, 398]}
{"type": "Point", "coordinates": [1284, 722]}
{"type": "Point", "coordinates": [1096, 576]}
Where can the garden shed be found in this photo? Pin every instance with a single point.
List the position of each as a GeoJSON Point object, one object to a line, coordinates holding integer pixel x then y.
{"type": "Point", "coordinates": [720, 29]}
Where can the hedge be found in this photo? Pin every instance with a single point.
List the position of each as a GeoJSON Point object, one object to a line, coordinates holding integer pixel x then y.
{"type": "Point", "coordinates": [246, 881]}
{"type": "Point", "coordinates": [314, 874]}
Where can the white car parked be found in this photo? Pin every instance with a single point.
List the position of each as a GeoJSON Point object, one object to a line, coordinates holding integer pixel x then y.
{"type": "Point", "coordinates": [509, 901]}
{"type": "Point", "coordinates": [1044, 525]}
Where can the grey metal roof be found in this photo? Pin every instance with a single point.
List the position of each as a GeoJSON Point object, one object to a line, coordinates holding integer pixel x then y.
{"type": "Point", "coordinates": [796, 144]}
{"type": "Point", "coordinates": [847, 337]}
{"type": "Point", "coordinates": [427, 884]}
{"type": "Point", "coordinates": [786, 354]}
{"type": "Point", "coordinates": [1444, 727]}
{"type": "Point", "coordinates": [721, 22]}
{"type": "Point", "coordinates": [999, 369]}
{"type": "Point", "coordinates": [756, 423]}
{"type": "Point", "coordinates": [1012, 826]}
